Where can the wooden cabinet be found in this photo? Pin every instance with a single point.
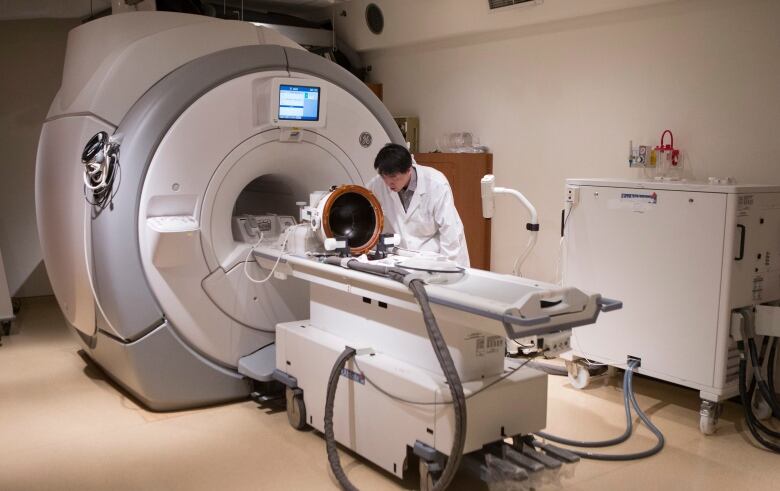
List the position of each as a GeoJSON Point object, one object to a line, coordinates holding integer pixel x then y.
{"type": "Point", "coordinates": [464, 171]}
{"type": "Point", "coordinates": [376, 89]}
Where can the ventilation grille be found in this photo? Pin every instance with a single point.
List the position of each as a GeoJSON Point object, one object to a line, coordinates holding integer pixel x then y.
{"type": "Point", "coordinates": [497, 4]}
{"type": "Point", "coordinates": [732, 363]}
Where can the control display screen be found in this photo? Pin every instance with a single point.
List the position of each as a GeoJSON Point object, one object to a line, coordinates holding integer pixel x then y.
{"type": "Point", "coordinates": [299, 103]}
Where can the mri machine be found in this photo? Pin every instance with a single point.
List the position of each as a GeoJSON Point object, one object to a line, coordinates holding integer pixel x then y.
{"type": "Point", "coordinates": [200, 207]}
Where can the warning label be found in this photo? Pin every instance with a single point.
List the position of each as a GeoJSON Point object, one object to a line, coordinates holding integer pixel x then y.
{"type": "Point", "coordinates": [489, 344]}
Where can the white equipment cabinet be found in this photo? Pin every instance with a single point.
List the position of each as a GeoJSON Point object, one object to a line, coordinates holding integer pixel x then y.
{"type": "Point", "coordinates": [681, 256]}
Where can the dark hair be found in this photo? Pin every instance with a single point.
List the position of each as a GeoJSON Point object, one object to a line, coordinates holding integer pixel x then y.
{"type": "Point", "coordinates": [393, 159]}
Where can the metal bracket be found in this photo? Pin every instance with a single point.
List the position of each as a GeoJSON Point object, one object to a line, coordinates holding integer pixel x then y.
{"type": "Point", "coordinates": [430, 455]}
{"type": "Point", "coordinates": [609, 304]}
{"type": "Point", "coordinates": [285, 379]}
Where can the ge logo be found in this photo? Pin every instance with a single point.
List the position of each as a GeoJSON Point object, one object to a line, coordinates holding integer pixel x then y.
{"type": "Point", "coordinates": [365, 139]}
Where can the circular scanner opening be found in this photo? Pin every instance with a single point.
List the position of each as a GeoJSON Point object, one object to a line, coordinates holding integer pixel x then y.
{"type": "Point", "coordinates": [355, 213]}
{"type": "Point", "coordinates": [267, 206]}
{"type": "Point", "coordinates": [352, 216]}
{"type": "Point", "coordinates": [269, 194]}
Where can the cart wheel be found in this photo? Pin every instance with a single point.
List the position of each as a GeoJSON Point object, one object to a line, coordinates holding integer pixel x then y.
{"type": "Point", "coordinates": [708, 417]}
{"type": "Point", "coordinates": [579, 376]}
{"type": "Point", "coordinates": [427, 478]}
{"type": "Point", "coordinates": [296, 409]}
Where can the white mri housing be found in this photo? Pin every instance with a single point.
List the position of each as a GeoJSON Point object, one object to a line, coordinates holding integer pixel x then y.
{"type": "Point", "coordinates": [154, 282]}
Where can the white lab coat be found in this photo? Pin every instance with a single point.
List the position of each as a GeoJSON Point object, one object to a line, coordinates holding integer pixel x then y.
{"type": "Point", "coordinates": [431, 223]}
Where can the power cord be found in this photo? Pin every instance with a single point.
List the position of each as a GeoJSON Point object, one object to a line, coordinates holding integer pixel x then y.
{"type": "Point", "coordinates": [398, 398]}
{"type": "Point", "coordinates": [278, 259]}
{"type": "Point", "coordinates": [562, 244]}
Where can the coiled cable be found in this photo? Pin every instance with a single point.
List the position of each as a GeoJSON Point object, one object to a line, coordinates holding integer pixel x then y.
{"type": "Point", "coordinates": [445, 362]}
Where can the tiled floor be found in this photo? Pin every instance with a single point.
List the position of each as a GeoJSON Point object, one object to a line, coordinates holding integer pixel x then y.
{"type": "Point", "coordinates": [64, 427]}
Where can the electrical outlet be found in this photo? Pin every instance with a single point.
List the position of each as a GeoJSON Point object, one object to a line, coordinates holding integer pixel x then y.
{"type": "Point", "coordinates": [572, 194]}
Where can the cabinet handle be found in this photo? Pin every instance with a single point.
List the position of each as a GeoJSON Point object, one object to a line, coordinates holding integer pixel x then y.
{"type": "Point", "coordinates": [741, 242]}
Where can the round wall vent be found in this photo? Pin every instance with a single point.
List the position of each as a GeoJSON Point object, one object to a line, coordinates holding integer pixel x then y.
{"type": "Point", "coordinates": [374, 18]}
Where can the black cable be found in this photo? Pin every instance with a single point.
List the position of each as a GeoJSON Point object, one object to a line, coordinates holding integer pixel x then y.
{"type": "Point", "coordinates": [330, 438]}
{"type": "Point", "coordinates": [764, 391]}
{"type": "Point", "coordinates": [754, 424]}
{"type": "Point", "coordinates": [750, 420]}
{"type": "Point", "coordinates": [566, 220]}
{"type": "Point", "coordinates": [753, 418]}
{"type": "Point", "coordinates": [753, 381]}
{"type": "Point", "coordinates": [523, 346]}
{"type": "Point", "coordinates": [398, 398]}
{"type": "Point", "coordinates": [102, 198]}
{"type": "Point", "coordinates": [770, 375]}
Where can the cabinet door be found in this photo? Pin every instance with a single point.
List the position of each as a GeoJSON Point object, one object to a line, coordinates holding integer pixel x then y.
{"type": "Point", "coordinates": [464, 171]}
{"type": "Point", "coordinates": [662, 257]}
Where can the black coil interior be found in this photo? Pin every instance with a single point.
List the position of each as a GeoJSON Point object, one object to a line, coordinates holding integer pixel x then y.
{"type": "Point", "coordinates": [352, 216]}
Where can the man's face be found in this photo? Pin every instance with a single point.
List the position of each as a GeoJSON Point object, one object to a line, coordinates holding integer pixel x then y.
{"type": "Point", "coordinates": [397, 181]}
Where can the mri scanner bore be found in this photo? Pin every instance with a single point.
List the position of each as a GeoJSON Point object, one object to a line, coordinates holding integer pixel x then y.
{"type": "Point", "coordinates": [218, 237]}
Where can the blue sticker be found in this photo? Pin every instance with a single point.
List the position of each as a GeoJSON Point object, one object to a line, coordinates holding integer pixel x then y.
{"type": "Point", "coordinates": [354, 376]}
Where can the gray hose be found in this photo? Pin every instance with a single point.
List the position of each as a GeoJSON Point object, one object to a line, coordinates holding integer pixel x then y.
{"type": "Point", "coordinates": [330, 438]}
{"type": "Point", "coordinates": [650, 426]}
{"type": "Point", "coordinates": [628, 395]}
{"type": "Point", "coordinates": [445, 362]}
{"type": "Point", "coordinates": [392, 272]}
{"type": "Point", "coordinates": [453, 380]}
{"type": "Point", "coordinates": [603, 443]}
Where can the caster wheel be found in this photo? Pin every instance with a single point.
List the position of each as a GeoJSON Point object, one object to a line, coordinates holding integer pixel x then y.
{"type": "Point", "coordinates": [427, 477]}
{"type": "Point", "coordinates": [707, 425]}
{"type": "Point", "coordinates": [708, 417]}
{"type": "Point", "coordinates": [579, 376]}
{"type": "Point", "coordinates": [296, 409]}
{"type": "Point", "coordinates": [761, 409]}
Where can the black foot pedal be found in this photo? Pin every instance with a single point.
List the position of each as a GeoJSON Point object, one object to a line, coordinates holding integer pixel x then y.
{"type": "Point", "coordinates": [497, 469]}
{"type": "Point", "coordinates": [557, 452]}
{"type": "Point", "coordinates": [544, 459]}
{"type": "Point", "coordinates": [257, 397]}
{"type": "Point", "coordinates": [490, 469]}
{"type": "Point", "coordinates": [517, 458]}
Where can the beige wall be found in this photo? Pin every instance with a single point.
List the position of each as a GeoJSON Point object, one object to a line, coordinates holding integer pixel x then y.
{"type": "Point", "coordinates": [408, 22]}
{"type": "Point", "coordinates": [31, 57]}
{"type": "Point", "coordinates": [563, 99]}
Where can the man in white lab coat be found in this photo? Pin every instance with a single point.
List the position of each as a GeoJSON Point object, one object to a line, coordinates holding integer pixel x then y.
{"type": "Point", "coordinates": [418, 205]}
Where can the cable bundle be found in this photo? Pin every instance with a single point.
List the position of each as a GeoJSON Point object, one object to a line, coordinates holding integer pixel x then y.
{"type": "Point", "coordinates": [760, 432]}
{"type": "Point", "coordinates": [101, 168]}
